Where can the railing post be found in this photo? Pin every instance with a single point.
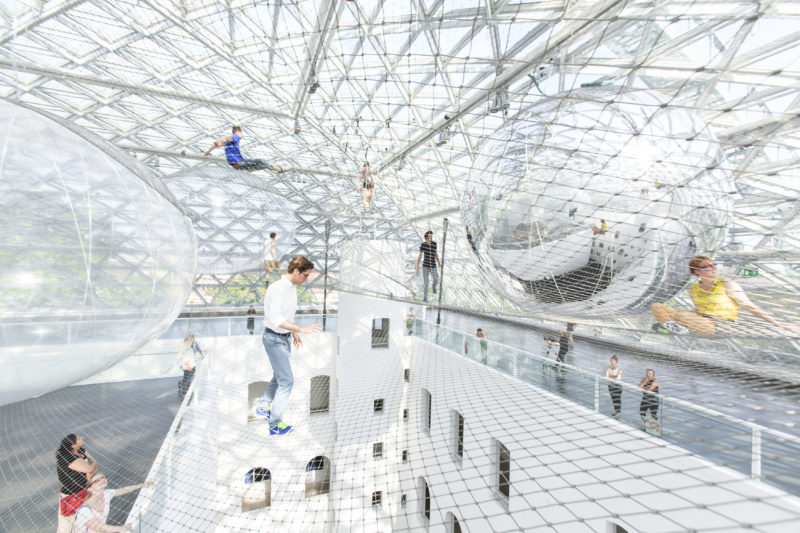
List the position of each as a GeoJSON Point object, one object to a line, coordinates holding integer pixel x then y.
{"type": "Point", "coordinates": [597, 394]}
{"type": "Point", "coordinates": [755, 468]}
{"type": "Point", "coordinates": [325, 279]}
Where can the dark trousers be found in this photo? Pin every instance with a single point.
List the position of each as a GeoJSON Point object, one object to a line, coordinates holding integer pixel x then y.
{"type": "Point", "coordinates": [251, 164]}
{"type": "Point", "coordinates": [183, 385]}
{"type": "Point", "coordinates": [649, 402]}
{"type": "Point", "coordinates": [615, 390]}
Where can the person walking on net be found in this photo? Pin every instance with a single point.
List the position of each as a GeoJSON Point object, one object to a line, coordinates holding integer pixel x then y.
{"type": "Point", "coordinates": [366, 186]}
{"type": "Point", "coordinates": [234, 156]}
{"type": "Point", "coordinates": [429, 265]}
{"type": "Point", "coordinates": [280, 304]}
{"type": "Point", "coordinates": [271, 263]}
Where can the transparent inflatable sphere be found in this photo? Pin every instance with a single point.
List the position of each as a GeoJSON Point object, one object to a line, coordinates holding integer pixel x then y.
{"type": "Point", "coordinates": [593, 201]}
{"type": "Point", "coordinates": [94, 262]}
{"type": "Point", "coordinates": [233, 212]}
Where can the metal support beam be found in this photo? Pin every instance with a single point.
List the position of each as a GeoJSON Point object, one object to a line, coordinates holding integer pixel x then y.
{"type": "Point", "coordinates": [58, 74]}
{"type": "Point", "coordinates": [567, 34]}
{"type": "Point", "coordinates": [54, 12]}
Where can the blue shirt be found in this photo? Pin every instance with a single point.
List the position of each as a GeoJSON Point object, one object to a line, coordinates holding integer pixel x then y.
{"type": "Point", "coordinates": [232, 153]}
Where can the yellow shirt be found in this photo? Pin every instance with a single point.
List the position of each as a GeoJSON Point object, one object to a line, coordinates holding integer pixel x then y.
{"type": "Point", "coordinates": [715, 301]}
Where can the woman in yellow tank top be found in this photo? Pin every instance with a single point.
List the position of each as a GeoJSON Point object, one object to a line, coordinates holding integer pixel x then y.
{"type": "Point", "coordinates": [717, 301]}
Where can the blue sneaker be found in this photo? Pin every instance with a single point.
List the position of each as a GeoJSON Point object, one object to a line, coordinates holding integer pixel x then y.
{"type": "Point", "coordinates": [280, 429]}
{"type": "Point", "coordinates": [264, 413]}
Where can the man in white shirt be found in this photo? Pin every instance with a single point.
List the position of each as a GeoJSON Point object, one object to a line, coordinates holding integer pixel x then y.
{"type": "Point", "coordinates": [280, 304]}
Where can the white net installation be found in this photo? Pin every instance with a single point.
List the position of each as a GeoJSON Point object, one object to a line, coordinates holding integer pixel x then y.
{"type": "Point", "coordinates": [461, 265]}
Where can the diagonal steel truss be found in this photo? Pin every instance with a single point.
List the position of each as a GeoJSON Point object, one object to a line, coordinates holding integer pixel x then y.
{"type": "Point", "coordinates": [163, 79]}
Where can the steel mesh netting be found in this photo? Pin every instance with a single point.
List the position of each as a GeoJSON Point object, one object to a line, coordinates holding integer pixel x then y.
{"type": "Point", "coordinates": [570, 158]}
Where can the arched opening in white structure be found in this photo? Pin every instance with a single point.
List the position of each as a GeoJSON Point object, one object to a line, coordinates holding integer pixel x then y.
{"type": "Point", "coordinates": [453, 526]}
{"type": "Point", "coordinates": [318, 476]}
{"type": "Point", "coordinates": [427, 410]}
{"type": "Point", "coordinates": [258, 489]}
{"type": "Point", "coordinates": [424, 499]}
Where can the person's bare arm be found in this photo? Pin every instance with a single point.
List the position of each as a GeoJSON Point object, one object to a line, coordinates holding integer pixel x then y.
{"type": "Point", "coordinates": [736, 293]}
{"type": "Point", "coordinates": [218, 144]}
{"type": "Point", "coordinates": [96, 525]}
{"type": "Point", "coordinates": [437, 258]}
{"type": "Point", "coordinates": [81, 465]}
{"type": "Point", "coordinates": [419, 257]}
{"type": "Point", "coordinates": [131, 488]}
{"type": "Point", "coordinates": [297, 329]}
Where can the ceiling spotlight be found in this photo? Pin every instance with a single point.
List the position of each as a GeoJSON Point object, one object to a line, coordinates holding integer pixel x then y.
{"type": "Point", "coordinates": [444, 137]}
{"type": "Point", "coordinates": [296, 127]}
{"type": "Point", "coordinates": [500, 101]}
{"type": "Point", "coordinates": [313, 88]}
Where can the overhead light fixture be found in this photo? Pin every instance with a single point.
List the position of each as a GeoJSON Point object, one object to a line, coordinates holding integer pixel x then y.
{"type": "Point", "coordinates": [444, 136]}
{"type": "Point", "coordinates": [500, 101]}
{"type": "Point", "coordinates": [314, 87]}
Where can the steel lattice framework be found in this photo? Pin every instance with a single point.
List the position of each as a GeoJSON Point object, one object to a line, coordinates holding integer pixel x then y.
{"type": "Point", "coordinates": [416, 88]}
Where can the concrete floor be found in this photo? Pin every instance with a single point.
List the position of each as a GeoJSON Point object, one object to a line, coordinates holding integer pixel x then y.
{"type": "Point", "coordinates": [122, 423]}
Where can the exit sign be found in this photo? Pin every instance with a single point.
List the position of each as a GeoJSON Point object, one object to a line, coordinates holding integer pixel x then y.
{"type": "Point", "coordinates": [750, 272]}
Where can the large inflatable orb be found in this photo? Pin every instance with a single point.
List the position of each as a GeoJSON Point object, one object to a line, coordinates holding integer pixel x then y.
{"type": "Point", "coordinates": [542, 184]}
{"type": "Point", "coordinates": [233, 212]}
{"type": "Point", "coordinates": [94, 262]}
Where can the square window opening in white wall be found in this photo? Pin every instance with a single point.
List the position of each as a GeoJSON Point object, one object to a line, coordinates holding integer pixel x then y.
{"type": "Point", "coordinates": [502, 485]}
{"type": "Point", "coordinates": [427, 411]}
{"type": "Point", "coordinates": [457, 436]}
{"type": "Point", "coordinates": [380, 332]}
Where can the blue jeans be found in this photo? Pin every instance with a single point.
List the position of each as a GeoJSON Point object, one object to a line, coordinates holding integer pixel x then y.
{"type": "Point", "coordinates": [426, 271]}
{"type": "Point", "coordinates": [278, 348]}
{"type": "Point", "coordinates": [252, 164]}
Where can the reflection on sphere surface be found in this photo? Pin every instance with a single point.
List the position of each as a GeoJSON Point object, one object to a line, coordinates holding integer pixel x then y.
{"type": "Point", "coordinates": [551, 174]}
{"type": "Point", "coordinates": [94, 262]}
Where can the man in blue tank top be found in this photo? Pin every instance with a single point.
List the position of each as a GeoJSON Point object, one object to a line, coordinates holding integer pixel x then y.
{"type": "Point", "coordinates": [234, 156]}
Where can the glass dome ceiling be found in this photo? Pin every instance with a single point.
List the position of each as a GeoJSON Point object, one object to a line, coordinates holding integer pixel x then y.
{"type": "Point", "coordinates": [418, 88]}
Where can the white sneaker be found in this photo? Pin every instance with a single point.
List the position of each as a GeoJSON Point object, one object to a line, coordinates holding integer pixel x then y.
{"type": "Point", "coordinates": [675, 328]}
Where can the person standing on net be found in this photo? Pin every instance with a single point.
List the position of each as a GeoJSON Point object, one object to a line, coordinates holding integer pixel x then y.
{"type": "Point", "coordinates": [271, 263]}
{"type": "Point", "coordinates": [614, 375]}
{"type": "Point", "coordinates": [366, 186]}
{"type": "Point", "coordinates": [280, 304]}
{"type": "Point", "coordinates": [429, 263]}
{"type": "Point", "coordinates": [234, 156]}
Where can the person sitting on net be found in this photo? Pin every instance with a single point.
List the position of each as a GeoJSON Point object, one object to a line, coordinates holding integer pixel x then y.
{"type": "Point", "coordinates": [92, 515]}
{"type": "Point", "coordinates": [234, 156]}
{"type": "Point", "coordinates": [717, 301]}
{"type": "Point", "coordinates": [602, 228]}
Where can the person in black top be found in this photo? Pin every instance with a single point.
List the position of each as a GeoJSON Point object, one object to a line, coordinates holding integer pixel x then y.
{"type": "Point", "coordinates": [649, 386]}
{"type": "Point", "coordinates": [74, 467]}
{"type": "Point", "coordinates": [563, 344]}
{"type": "Point", "coordinates": [429, 264]}
{"type": "Point", "coordinates": [251, 319]}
